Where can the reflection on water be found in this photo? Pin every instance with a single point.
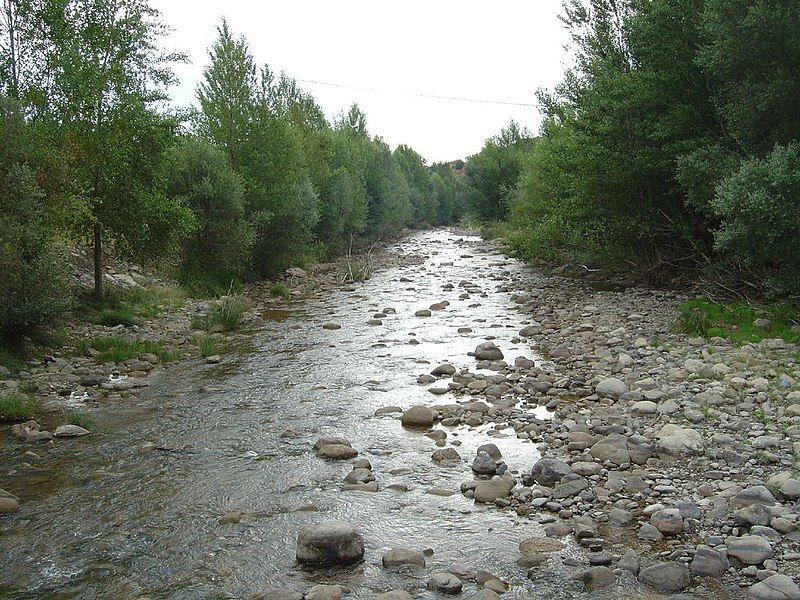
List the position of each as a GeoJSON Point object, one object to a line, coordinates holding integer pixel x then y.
{"type": "Point", "coordinates": [103, 520]}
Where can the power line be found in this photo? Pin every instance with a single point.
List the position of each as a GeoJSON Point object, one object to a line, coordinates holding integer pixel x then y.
{"type": "Point", "coordinates": [413, 95]}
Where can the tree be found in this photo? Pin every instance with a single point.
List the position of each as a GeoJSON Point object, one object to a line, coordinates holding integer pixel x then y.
{"type": "Point", "coordinates": [421, 194]}
{"type": "Point", "coordinates": [107, 76]}
{"type": "Point", "coordinates": [201, 177]}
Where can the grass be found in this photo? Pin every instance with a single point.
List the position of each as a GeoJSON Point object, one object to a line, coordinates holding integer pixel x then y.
{"type": "Point", "coordinates": [80, 419]}
{"type": "Point", "coordinates": [207, 346]}
{"type": "Point", "coordinates": [111, 317]}
{"type": "Point", "coordinates": [734, 321]}
{"type": "Point", "coordinates": [17, 407]}
{"type": "Point", "coordinates": [224, 315]}
{"type": "Point", "coordinates": [118, 349]}
{"type": "Point", "coordinates": [127, 306]}
{"type": "Point", "coordinates": [280, 291]}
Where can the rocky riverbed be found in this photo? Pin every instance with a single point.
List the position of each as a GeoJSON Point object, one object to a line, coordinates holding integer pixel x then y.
{"type": "Point", "coordinates": [457, 424]}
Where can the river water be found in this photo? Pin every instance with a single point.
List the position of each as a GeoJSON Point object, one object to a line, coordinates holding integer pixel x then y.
{"type": "Point", "coordinates": [102, 520]}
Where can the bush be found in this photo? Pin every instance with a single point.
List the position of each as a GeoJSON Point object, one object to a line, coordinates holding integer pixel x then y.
{"type": "Point", "coordinates": [207, 346]}
{"type": "Point", "coordinates": [80, 419]}
{"type": "Point", "coordinates": [201, 176]}
{"type": "Point", "coordinates": [33, 288]}
{"type": "Point", "coordinates": [760, 213]}
{"type": "Point", "coordinates": [224, 315]}
{"type": "Point", "coordinates": [279, 290]}
{"type": "Point", "coordinates": [17, 407]}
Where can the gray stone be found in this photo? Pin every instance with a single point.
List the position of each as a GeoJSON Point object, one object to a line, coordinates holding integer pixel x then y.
{"type": "Point", "coordinates": [9, 503]}
{"type": "Point", "coordinates": [325, 592]}
{"type": "Point", "coordinates": [417, 416]}
{"type": "Point", "coordinates": [484, 464]}
{"type": "Point", "coordinates": [611, 388]}
{"type": "Point", "coordinates": [401, 556]}
{"type": "Point", "coordinates": [70, 431]}
{"type": "Point", "coordinates": [275, 593]}
{"type": "Point", "coordinates": [549, 471]}
{"type": "Point", "coordinates": [446, 583]}
{"type": "Point", "coordinates": [489, 491]}
{"type": "Point", "coordinates": [597, 578]}
{"type": "Point", "coordinates": [669, 577]}
{"type": "Point", "coordinates": [707, 562]}
{"type": "Point", "coordinates": [775, 587]}
{"type": "Point", "coordinates": [488, 351]}
{"type": "Point", "coordinates": [749, 549]}
{"type": "Point", "coordinates": [667, 521]}
{"type": "Point", "coordinates": [329, 543]}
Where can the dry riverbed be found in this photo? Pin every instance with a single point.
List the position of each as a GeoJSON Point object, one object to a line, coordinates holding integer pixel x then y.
{"type": "Point", "coordinates": [457, 424]}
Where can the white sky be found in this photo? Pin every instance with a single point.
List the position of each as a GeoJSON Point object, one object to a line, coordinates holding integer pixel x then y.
{"type": "Point", "coordinates": [493, 50]}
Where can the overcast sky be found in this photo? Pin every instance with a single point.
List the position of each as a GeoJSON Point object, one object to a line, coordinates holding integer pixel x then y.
{"type": "Point", "coordinates": [501, 51]}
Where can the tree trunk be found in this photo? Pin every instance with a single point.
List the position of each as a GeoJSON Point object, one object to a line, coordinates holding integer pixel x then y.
{"type": "Point", "coordinates": [98, 263]}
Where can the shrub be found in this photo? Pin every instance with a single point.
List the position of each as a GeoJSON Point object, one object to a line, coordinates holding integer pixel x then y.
{"type": "Point", "coordinates": [758, 206]}
{"type": "Point", "coordinates": [280, 291]}
{"type": "Point", "coordinates": [17, 407]}
{"type": "Point", "coordinates": [80, 419]}
{"type": "Point", "coordinates": [224, 315]}
{"type": "Point", "coordinates": [207, 346]}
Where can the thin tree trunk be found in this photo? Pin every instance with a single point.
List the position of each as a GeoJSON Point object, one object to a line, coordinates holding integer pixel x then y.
{"type": "Point", "coordinates": [98, 263]}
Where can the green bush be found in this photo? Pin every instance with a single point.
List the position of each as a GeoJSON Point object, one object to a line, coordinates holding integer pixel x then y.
{"type": "Point", "coordinates": [80, 419]}
{"type": "Point", "coordinates": [17, 407]}
{"type": "Point", "coordinates": [207, 346]}
{"type": "Point", "coordinates": [759, 206]}
{"type": "Point", "coordinates": [223, 315]}
{"type": "Point", "coordinates": [279, 290]}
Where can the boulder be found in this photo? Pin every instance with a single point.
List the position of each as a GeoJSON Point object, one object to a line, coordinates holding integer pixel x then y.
{"type": "Point", "coordinates": [400, 556]}
{"type": "Point", "coordinates": [775, 587]}
{"type": "Point", "coordinates": [549, 471]}
{"type": "Point", "coordinates": [417, 416]}
{"type": "Point", "coordinates": [9, 503]}
{"type": "Point", "coordinates": [667, 577]}
{"type": "Point", "coordinates": [489, 491]}
{"type": "Point", "coordinates": [749, 549]}
{"type": "Point", "coordinates": [488, 351]}
{"type": "Point", "coordinates": [707, 562]}
{"type": "Point", "coordinates": [445, 583]}
{"type": "Point", "coordinates": [330, 543]}
{"type": "Point", "coordinates": [611, 388]}
{"type": "Point", "coordinates": [677, 441]}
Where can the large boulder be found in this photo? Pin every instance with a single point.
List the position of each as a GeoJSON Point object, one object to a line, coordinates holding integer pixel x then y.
{"type": "Point", "coordinates": [488, 351]}
{"type": "Point", "coordinates": [275, 593]}
{"type": "Point", "coordinates": [330, 543]}
{"type": "Point", "coordinates": [611, 388]}
{"type": "Point", "coordinates": [445, 583]}
{"type": "Point", "coordinates": [489, 491]}
{"type": "Point", "coordinates": [775, 587]}
{"type": "Point", "coordinates": [613, 448]}
{"type": "Point", "coordinates": [400, 556]}
{"type": "Point", "coordinates": [667, 577]}
{"type": "Point", "coordinates": [708, 562]}
{"type": "Point", "coordinates": [749, 549]}
{"type": "Point", "coordinates": [417, 416]}
{"type": "Point", "coordinates": [677, 441]}
{"type": "Point", "coordinates": [549, 471]}
{"type": "Point", "coordinates": [335, 447]}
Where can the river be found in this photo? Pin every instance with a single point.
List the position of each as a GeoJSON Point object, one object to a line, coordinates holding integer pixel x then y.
{"type": "Point", "coordinates": [103, 520]}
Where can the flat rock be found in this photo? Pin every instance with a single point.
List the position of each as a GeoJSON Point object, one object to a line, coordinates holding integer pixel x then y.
{"type": "Point", "coordinates": [669, 577]}
{"type": "Point", "coordinates": [401, 556]}
{"type": "Point", "coordinates": [330, 543]}
{"type": "Point", "coordinates": [775, 587]}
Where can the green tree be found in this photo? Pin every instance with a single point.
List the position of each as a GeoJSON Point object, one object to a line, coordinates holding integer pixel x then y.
{"type": "Point", "coordinates": [201, 177]}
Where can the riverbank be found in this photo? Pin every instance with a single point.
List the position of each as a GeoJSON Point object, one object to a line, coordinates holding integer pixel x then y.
{"type": "Point", "coordinates": [565, 439]}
